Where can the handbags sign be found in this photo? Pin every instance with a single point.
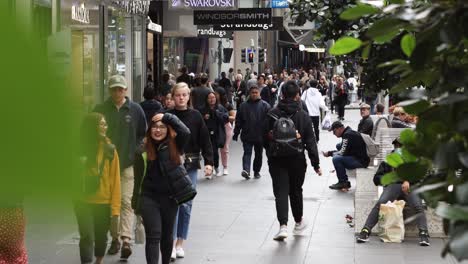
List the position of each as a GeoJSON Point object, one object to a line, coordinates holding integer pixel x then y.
{"type": "Point", "coordinates": [204, 4]}
{"type": "Point", "coordinates": [240, 16]}
{"type": "Point", "coordinates": [210, 32]}
{"type": "Point", "coordinates": [276, 24]}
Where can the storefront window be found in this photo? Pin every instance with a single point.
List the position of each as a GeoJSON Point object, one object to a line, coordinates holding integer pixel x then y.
{"type": "Point", "coordinates": [138, 56]}
{"type": "Point", "coordinates": [117, 43]}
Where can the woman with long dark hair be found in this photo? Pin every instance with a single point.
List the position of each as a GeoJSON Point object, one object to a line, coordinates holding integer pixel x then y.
{"type": "Point", "coordinates": [215, 116]}
{"type": "Point", "coordinates": [229, 129]}
{"type": "Point", "coordinates": [100, 188]}
{"type": "Point", "coordinates": [161, 183]}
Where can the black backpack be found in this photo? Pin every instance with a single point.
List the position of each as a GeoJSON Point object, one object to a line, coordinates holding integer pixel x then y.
{"type": "Point", "coordinates": [285, 142]}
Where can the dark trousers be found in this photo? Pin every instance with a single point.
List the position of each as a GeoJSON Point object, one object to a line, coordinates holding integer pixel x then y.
{"type": "Point", "coordinates": [288, 175]}
{"type": "Point", "coordinates": [341, 163]}
{"type": "Point", "coordinates": [93, 225]}
{"type": "Point", "coordinates": [247, 157]}
{"type": "Point", "coordinates": [316, 124]}
{"type": "Point", "coordinates": [159, 214]}
{"type": "Point", "coordinates": [215, 151]}
{"type": "Point", "coordinates": [391, 193]}
{"type": "Point", "coordinates": [340, 107]}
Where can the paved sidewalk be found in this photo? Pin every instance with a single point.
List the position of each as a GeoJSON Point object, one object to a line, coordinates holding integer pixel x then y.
{"type": "Point", "coordinates": [234, 221]}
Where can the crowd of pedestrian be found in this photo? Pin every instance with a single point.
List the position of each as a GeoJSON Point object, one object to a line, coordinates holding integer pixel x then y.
{"type": "Point", "coordinates": [142, 160]}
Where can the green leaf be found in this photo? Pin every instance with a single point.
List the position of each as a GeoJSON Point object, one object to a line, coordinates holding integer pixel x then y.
{"type": "Point", "coordinates": [385, 29]}
{"type": "Point", "coordinates": [408, 82]}
{"type": "Point", "coordinates": [412, 171]}
{"type": "Point", "coordinates": [407, 136]}
{"type": "Point", "coordinates": [408, 43]}
{"type": "Point", "coordinates": [395, 160]}
{"type": "Point", "coordinates": [389, 178]}
{"type": "Point", "coordinates": [452, 212]}
{"type": "Point", "coordinates": [345, 45]}
{"type": "Point", "coordinates": [393, 63]}
{"type": "Point", "coordinates": [358, 11]}
{"type": "Point", "coordinates": [417, 107]}
{"type": "Point", "coordinates": [366, 51]}
{"type": "Point", "coordinates": [407, 156]}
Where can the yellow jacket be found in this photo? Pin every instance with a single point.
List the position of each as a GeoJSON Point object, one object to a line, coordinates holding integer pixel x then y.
{"type": "Point", "coordinates": [109, 187]}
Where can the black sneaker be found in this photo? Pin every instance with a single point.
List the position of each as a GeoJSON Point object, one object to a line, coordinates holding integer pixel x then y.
{"type": "Point", "coordinates": [126, 250]}
{"type": "Point", "coordinates": [363, 237]}
{"type": "Point", "coordinates": [245, 174]}
{"type": "Point", "coordinates": [114, 248]}
{"type": "Point", "coordinates": [424, 239]}
{"type": "Point", "coordinates": [340, 186]}
{"type": "Point", "coordinates": [257, 175]}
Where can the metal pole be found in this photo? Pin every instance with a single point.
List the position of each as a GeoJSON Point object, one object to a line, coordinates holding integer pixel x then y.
{"type": "Point", "coordinates": [220, 57]}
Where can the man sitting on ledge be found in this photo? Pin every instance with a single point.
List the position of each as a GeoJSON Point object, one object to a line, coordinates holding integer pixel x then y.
{"type": "Point", "coordinates": [392, 192]}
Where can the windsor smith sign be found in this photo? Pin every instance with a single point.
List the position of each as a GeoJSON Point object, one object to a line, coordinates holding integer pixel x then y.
{"type": "Point", "coordinates": [240, 16]}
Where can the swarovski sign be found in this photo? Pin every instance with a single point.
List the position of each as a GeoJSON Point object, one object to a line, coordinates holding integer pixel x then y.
{"type": "Point", "coordinates": [80, 14]}
{"type": "Point", "coordinates": [241, 16]}
{"type": "Point", "coordinates": [204, 4]}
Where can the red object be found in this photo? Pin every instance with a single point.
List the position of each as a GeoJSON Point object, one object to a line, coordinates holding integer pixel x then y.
{"type": "Point", "coordinates": [12, 226]}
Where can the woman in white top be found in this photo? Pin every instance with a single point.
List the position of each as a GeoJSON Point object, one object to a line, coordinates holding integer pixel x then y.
{"type": "Point", "coordinates": [314, 102]}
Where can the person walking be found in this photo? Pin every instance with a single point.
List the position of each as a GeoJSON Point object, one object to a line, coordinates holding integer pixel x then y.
{"type": "Point", "coordinates": [314, 102]}
{"type": "Point", "coordinates": [226, 84]}
{"type": "Point", "coordinates": [127, 128]}
{"type": "Point", "coordinates": [249, 120]}
{"type": "Point", "coordinates": [287, 162]}
{"type": "Point", "coordinates": [340, 97]}
{"type": "Point", "coordinates": [161, 183]}
{"type": "Point", "coordinates": [199, 140]}
{"type": "Point", "coordinates": [150, 106]}
{"type": "Point", "coordinates": [199, 93]}
{"type": "Point", "coordinates": [268, 94]}
{"type": "Point", "coordinates": [228, 127]}
{"type": "Point", "coordinates": [101, 188]}
{"type": "Point", "coordinates": [240, 90]}
{"type": "Point", "coordinates": [215, 116]}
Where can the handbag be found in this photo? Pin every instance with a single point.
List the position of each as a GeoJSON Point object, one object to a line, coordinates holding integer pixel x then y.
{"type": "Point", "coordinates": [391, 222]}
{"type": "Point", "coordinates": [192, 161]}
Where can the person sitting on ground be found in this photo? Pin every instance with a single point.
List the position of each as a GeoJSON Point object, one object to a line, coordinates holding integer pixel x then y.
{"type": "Point", "coordinates": [366, 125]}
{"type": "Point", "coordinates": [379, 109]}
{"type": "Point", "coordinates": [395, 191]}
{"type": "Point", "coordinates": [399, 118]}
{"type": "Point", "coordinates": [351, 154]}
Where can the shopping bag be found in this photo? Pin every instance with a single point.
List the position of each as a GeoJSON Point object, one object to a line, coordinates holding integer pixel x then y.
{"type": "Point", "coordinates": [139, 231]}
{"type": "Point", "coordinates": [326, 123]}
{"type": "Point", "coordinates": [391, 222]}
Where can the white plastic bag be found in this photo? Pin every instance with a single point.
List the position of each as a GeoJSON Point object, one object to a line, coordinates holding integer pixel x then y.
{"type": "Point", "coordinates": [326, 123]}
{"type": "Point", "coordinates": [391, 222]}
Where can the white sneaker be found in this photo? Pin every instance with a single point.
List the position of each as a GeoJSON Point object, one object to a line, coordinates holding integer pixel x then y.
{"type": "Point", "coordinates": [299, 227]}
{"type": "Point", "coordinates": [220, 173]}
{"type": "Point", "coordinates": [173, 255]}
{"type": "Point", "coordinates": [282, 233]}
{"type": "Point", "coordinates": [180, 253]}
{"type": "Point", "coordinates": [225, 172]}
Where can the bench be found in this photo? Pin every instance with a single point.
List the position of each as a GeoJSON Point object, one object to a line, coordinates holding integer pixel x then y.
{"type": "Point", "coordinates": [367, 194]}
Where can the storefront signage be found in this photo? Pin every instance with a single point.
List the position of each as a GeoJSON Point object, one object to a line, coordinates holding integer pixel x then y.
{"type": "Point", "coordinates": [80, 14]}
{"type": "Point", "coordinates": [210, 32]}
{"type": "Point", "coordinates": [279, 4]}
{"type": "Point", "coordinates": [240, 16]}
{"type": "Point", "coordinates": [154, 27]}
{"type": "Point", "coordinates": [318, 50]}
{"type": "Point", "coordinates": [276, 24]}
{"type": "Point", "coordinates": [204, 4]}
{"type": "Point", "coordinates": [140, 7]}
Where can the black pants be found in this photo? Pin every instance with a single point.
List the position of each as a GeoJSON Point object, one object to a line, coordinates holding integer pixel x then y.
{"type": "Point", "coordinates": [288, 175]}
{"type": "Point", "coordinates": [316, 123]}
{"type": "Point", "coordinates": [247, 157]}
{"type": "Point", "coordinates": [341, 109]}
{"type": "Point", "coordinates": [158, 215]}
{"type": "Point", "coordinates": [215, 151]}
{"type": "Point", "coordinates": [93, 225]}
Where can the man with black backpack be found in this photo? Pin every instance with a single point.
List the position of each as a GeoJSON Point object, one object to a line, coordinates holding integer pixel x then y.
{"type": "Point", "coordinates": [288, 131]}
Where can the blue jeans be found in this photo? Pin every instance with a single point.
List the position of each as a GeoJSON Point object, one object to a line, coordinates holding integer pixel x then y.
{"type": "Point", "coordinates": [182, 221]}
{"type": "Point", "coordinates": [247, 157]}
{"type": "Point", "coordinates": [342, 163]}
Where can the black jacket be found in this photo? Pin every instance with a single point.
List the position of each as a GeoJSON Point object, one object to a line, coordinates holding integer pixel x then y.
{"type": "Point", "coordinates": [185, 78]}
{"type": "Point", "coordinates": [398, 123]}
{"type": "Point", "coordinates": [180, 186]}
{"type": "Point", "coordinates": [218, 117]}
{"type": "Point", "coordinates": [383, 169]}
{"type": "Point", "coordinates": [199, 139]}
{"type": "Point", "coordinates": [366, 126]}
{"type": "Point", "coordinates": [127, 128]}
{"type": "Point", "coordinates": [151, 107]}
{"type": "Point", "coordinates": [250, 119]}
{"type": "Point", "coordinates": [303, 125]}
{"type": "Point", "coordinates": [352, 144]}
{"type": "Point", "coordinates": [269, 96]}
